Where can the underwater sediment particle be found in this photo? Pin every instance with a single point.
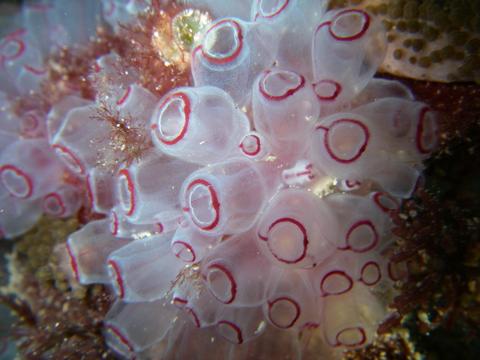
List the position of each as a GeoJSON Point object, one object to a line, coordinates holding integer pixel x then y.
{"type": "Point", "coordinates": [436, 25]}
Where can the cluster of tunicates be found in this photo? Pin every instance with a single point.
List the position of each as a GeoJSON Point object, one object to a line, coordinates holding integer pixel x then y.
{"type": "Point", "coordinates": [34, 180]}
{"type": "Point", "coordinates": [263, 200]}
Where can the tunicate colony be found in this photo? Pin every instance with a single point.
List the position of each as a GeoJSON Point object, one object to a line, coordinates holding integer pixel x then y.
{"type": "Point", "coordinates": [265, 199]}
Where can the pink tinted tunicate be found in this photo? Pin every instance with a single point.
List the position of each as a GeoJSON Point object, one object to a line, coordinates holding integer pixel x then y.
{"type": "Point", "coordinates": [259, 206]}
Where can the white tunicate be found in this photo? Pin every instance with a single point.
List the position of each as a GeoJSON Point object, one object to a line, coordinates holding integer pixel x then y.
{"type": "Point", "coordinates": [351, 319]}
{"type": "Point", "coordinates": [88, 249]}
{"type": "Point", "coordinates": [22, 63]}
{"type": "Point", "coordinates": [348, 47]}
{"type": "Point", "coordinates": [198, 124]}
{"type": "Point", "coordinates": [384, 141]}
{"type": "Point", "coordinates": [239, 325]}
{"type": "Point", "coordinates": [63, 202]}
{"type": "Point", "coordinates": [291, 301]}
{"type": "Point", "coordinates": [76, 144]}
{"type": "Point", "coordinates": [224, 198]}
{"type": "Point", "coordinates": [190, 245]}
{"type": "Point", "coordinates": [29, 169]}
{"type": "Point", "coordinates": [147, 188]}
{"type": "Point", "coordinates": [133, 327]}
{"type": "Point", "coordinates": [59, 111]}
{"type": "Point", "coordinates": [100, 190]}
{"type": "Point", "coordinates": [297, 230]}
{"type": "Point", "coordinates": [231, 55]}
{"type": "Point", "coordinates": [293, 23]}
{"type": "Point", "coordinates": [284, 110]}
{"type": "Point", "coordinates": [144, 269]}
{"type": "Point", "coordinates": [17, 216]}
{"type": "Point", "coordinates": [236, 273]}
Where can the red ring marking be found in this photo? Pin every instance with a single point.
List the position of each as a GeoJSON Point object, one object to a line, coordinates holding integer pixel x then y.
{"type": "Point", "coordinates": [336, 91]}
{"type": "Point", "coordinates": [159, 227]}
{"type": "Point", "coordinates": [123, 339]}
{"type": "Point", "coordinates": [262, 237]}
{"type": "Point", "coordinates": [188, 247]}
{"type": "Point", "coordinates": [125, 96]}
{"type": "Point", "coordinates": [89, 192]}
{"type": "Point", "coordinates": [235, 327]}
{"type": "Point", "coordinates": [336, 272]}
{"type": "Point", "coordinates": [321, 127]}
{"type": "Point", "coordinates": [23, 175]}
{"type": "Point", "coordinates": [233, 284]}
{"type": "Point", "coordinates": [114, 229]}
{"type": "Point", "coordinates": [96, 67]}
{"type": "Point", "coordinates": [67, 152]}
{"type": "Point", "coordinates": [186, 111]}
{"type": "Point", "coordinates": [192, 312]}
{"type": "Point", "coordinates": [364, 268]}
{"type": "Point", "coordinates": [131, 190]}
{"type": "Point", "coordinates": [419, 133]}
{"type": "Point", "coordinates": [361, 342]}
{"type": "Point", "coordinates": [356, 36]}
{"type": "Point", "coordinates": [359, 152]}
{"type": "Point", "coordinates": [111, 8]}
{"type": "Point", "coordinates": [277, 11]}
{"type": "Point", "coordinates": [293, 302]}
{"type": "Point", "coordinates": [35, 71]}
{"type": "Point", "coordinates": [376, 199]}
{"type": "Point", "coordinates": [13, 34]}
{"type": "Point", "coordinates": [178, 301]}
{"type": "Point", "coordinates": [325, 23]}
{"type": "Point", "coordinates": [225, 59]}
{"type": "Point", "coordinates": [18, 53]}
{"type": "Point", "coordinates": [251, 153]}
{"type": "Point", "coordinates": [118, 277]}
{"type": "Point", "coordinates": [367, 223]}
{"type": "Point", "coordinates": [352, 183]}
{"type": "Point", "coordinates": [305, 239]}
{"type": "Point", "coordinates": [215, 203]}
{"type": "Point", "coordinates": [73, 262]}
{"type": "Point", "coordinates": [59, 200]}
{"type": "Point", "coordinates": [287, 93]}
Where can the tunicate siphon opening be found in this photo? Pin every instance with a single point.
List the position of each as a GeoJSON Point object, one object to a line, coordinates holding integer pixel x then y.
{"type": "Point", "coordinates": [222, 41]}
{"type": "Point", "coordinates": [347, 139]}
{"type": "Point", "coordinates": [52, 204]}
{"type": "Point", "coordinates": [280, 84]}
{"type": "Point", "coordinates": [287, 241]}
{"type": "Point", "coordinates": [270, 8]}
{"type": "Point", "coordinates": [283, 312]}
{"type": "Point", "coordinates": [349, 25]}
{"type": "Point", "coordinates": [171, 120]}
{"type": "Point", "coordinates": [16, 181]}
{"type": "Point", "coordinates": [221, 284]}
{"type": "Point", "coordinates": [200, 204]}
